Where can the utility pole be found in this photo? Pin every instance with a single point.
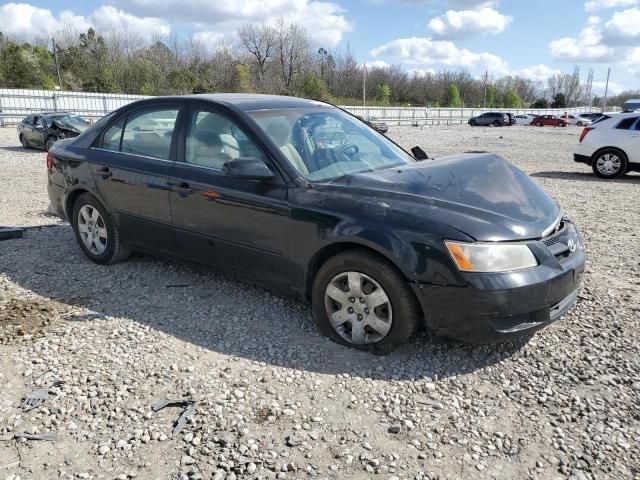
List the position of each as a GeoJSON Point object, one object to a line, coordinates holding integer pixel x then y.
{"type": "Point", "coordinates": [364, 85]}
{"type": "Point", "coordinates": [606, 91]}
{"type": "Point", "coordinates": [55, 56]}
{"type": "Point", "coordinates": [486, 77]}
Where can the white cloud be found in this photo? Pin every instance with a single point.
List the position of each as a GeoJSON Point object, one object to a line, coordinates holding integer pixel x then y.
{"type": "Point", "coordinates": [593, 5]}
{"type": "Point", "coordinates": [593, 20]}
{"type": "Point", "coordinates": [615, 88]}
{"type": "Point", "coordinates": [377, 64]}
{"type": "Point", "coordinates": [26, 21]}
{"type": "Point", "coordinates": [467, 23]}
{"type": "Point", "coordinates": [425, 51]}
{"type": "Point", "coordinates": [586, 48]}
{"type": "Point", "coordinates": [325, 22]}
{"type": "Point", "coordinates": [107, 17]}
{"type": "Point", "coordinates": [538, 72]}
{"type": "Point", "coordinates": [623, 28]}
{"type": "Point", "coordinates": [421, 72]}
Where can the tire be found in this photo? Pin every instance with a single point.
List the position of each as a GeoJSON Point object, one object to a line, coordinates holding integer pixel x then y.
{"type": "Point", "coordinates": [562, 124]}
{"type": "Point", "coordinates": [24, 142]}
{"type": "Point", "coordinates": [496, 123]}
{"type": "Point", "coordinates": [473, 123]}
{"type": "Point", "coordinates": [609, 163]}
{"type": "Point", "coordinates": [49, 142]}
{"type": "Point", "coordinates": [539, 124]}
{"type": "Point", "coordinates": [579, 124]}
{"type": "Point", "coordinates": [397, 312]}
{"type": "Point", "coordinates": [100, 226]}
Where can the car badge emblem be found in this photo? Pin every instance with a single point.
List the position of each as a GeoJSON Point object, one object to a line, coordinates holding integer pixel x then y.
{"type": "Point", "coordinates": [571, 243]}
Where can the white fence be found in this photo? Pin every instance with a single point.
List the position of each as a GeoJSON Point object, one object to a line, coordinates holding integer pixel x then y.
{"type": "Point", "coordinates": [15, 104]}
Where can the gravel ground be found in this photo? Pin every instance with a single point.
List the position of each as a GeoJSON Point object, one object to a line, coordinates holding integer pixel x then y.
{"type": "Point", "coordinates": [276, 400]}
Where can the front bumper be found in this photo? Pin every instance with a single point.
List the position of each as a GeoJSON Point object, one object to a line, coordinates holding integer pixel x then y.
{"type": "Point", "coordinates": [577, 157]}
{"type": "Point", "coordinates": [501, 306]}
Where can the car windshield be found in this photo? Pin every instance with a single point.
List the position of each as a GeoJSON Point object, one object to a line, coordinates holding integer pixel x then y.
{"type": "Point", "coordinates": [324, 143]}
{"type": "Point", "coordinates": [72, 119]}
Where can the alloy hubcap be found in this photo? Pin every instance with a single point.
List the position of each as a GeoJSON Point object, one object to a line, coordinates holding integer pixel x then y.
{"type": "Point", "coordinates": [358, 308]}
{"type": "Point", "coordinates": [93, 231]}
{"type": "Point", "coordinates": [608, 164]}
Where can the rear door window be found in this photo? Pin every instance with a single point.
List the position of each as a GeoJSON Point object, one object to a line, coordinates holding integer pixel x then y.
{"type": "Point", "coordinates": [112, 137]}
{"type": "Point", "coordinates": [626, 123]}
{"type": "Point", "coordinates": [148, 132]}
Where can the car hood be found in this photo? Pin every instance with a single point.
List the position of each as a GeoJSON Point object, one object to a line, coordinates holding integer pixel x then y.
{"type": "Point", "coordinates": [482, 195]}
{"type": "Point", "coordinates": [71, 127]}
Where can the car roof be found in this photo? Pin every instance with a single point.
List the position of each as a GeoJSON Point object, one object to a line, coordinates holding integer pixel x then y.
{"type": "Point", "coordinates": [250, 101]}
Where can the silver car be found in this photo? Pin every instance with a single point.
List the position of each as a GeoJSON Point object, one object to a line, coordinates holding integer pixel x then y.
{"type": "Point", "coordinates": [580, 119]}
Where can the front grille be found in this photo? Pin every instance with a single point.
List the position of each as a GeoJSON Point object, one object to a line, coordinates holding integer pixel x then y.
{"type": "Point", "coordinates": [560, 235]}
{"type": "Point", "coordinates": [557, 242]}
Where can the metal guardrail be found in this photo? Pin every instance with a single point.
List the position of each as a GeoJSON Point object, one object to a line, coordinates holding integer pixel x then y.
{"type": "Point", "coordinates": [15, 104]}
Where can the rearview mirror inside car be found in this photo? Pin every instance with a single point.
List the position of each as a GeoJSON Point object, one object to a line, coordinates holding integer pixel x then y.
{"type": "Point", "coordinates": [247, 168]}
{"type": "Point", "coordinates": [419, 154]}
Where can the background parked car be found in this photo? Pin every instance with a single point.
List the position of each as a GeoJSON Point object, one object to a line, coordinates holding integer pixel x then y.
{"type": "Point", "coordinates": [580, 119]}
{"type": "Point", "coordinates": [42, 130]}
{"type": "Point", "coordinates": [543, 120]}
{"type": "Point", "coordinates": [497, 119]}
{"type": "Point", "coordinates": [524, 118]}
{"type": "Point", "coordinates": [512, 118]}
{"type": "Point", "coordinates": [378, 125]}
{"type": "Point", "coordinates": [611, 146]}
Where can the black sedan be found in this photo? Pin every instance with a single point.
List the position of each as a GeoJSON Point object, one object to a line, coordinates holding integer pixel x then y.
{"type": "Point", "coordinates": [303, 198]}
{"type": "Point", "coordinates": [42, 130]}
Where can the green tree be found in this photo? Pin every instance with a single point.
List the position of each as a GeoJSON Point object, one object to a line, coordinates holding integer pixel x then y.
{"type": "Point", "coordinates": [512, 100]}
{"type": "Point", "coordinates": [315, 88]}
{"type": "Point", "coordinates": [242, 78]}
{"type": "Point", "coordinates": [147, 89]}
{"type": "Point", "coordinates": [491, 96]}
{"type": "Point", "coordinates": [540, 103]}
{"type": "Point", "coordinates": [383, 94]}
{"type": "Point", "coordinates": [559, 101]}
{"type": "Point", "coordinates": [48, 83]}
{"type": "Point", "coordinates": [453, 97]}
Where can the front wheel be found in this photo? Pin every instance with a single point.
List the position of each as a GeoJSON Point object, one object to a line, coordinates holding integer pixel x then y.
{"type": "Point", "coordinates": [362, 301]}
{"type": "Point", "coordinates": [96, 231]}
{"type": "Point", "coordinates": [49, 143]}
{"type": "Point", "coordinates": [496, 123]}
{"type": "Point", "coordinates": [579, 124]}
{"type": "Point", "coordinates": [609, 163]}
{"type": "Point", "coordinates": [24, 141]}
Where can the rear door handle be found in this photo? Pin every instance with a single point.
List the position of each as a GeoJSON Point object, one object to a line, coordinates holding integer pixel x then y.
{"type": "Point", "coordinates": [182, 188]}
{"type": "Point", "coordinates": [104, 172]}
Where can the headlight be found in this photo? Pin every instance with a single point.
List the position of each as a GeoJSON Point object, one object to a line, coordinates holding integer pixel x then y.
{"type": "Point", "coordinates": [488, 257]}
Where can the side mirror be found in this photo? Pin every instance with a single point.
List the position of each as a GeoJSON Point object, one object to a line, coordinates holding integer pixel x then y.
{"type": "Point", "coordinates": [247, 168]}
{"type": "Point", "coordinates": [419, 154]}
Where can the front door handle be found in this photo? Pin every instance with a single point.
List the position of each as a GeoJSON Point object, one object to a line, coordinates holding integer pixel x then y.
{"type": "Point", "coordinates": [104, 172]}
{"type": "Point", "coordinates": [181, 188]}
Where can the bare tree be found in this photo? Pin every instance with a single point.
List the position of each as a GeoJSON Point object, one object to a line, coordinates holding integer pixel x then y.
{"type": "Point", "coordinates": [259, 41]}
{"type": "Point", "coordinates": [291, 45]}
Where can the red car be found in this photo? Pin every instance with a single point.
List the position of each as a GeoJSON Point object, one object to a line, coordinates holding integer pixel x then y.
{"type": "Point", "coordinates": [543, 120]}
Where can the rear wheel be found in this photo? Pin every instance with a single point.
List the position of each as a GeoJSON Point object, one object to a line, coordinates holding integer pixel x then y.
{"type": "Point", "coordinates": [609, 163]}
{"type": "Point", "coordinates": [24, 141]}
{"type": "Point", "coordinates": [539, 124]}
{"type": "Point", "coordinates": [362, 301]}
{"type": "Point", "coordinates": [579, 124]}
{"type": "Point", "coordinates": [96, 231]}
{"type": "Point", "coordinates": [496, 123]}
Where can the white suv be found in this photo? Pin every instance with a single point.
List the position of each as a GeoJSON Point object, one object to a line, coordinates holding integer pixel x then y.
{"type": "Point", "coordinates": [611, 145]}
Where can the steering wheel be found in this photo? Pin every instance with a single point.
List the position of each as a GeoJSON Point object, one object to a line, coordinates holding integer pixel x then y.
{"type": "Point", "coordinates": [349, 147]}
